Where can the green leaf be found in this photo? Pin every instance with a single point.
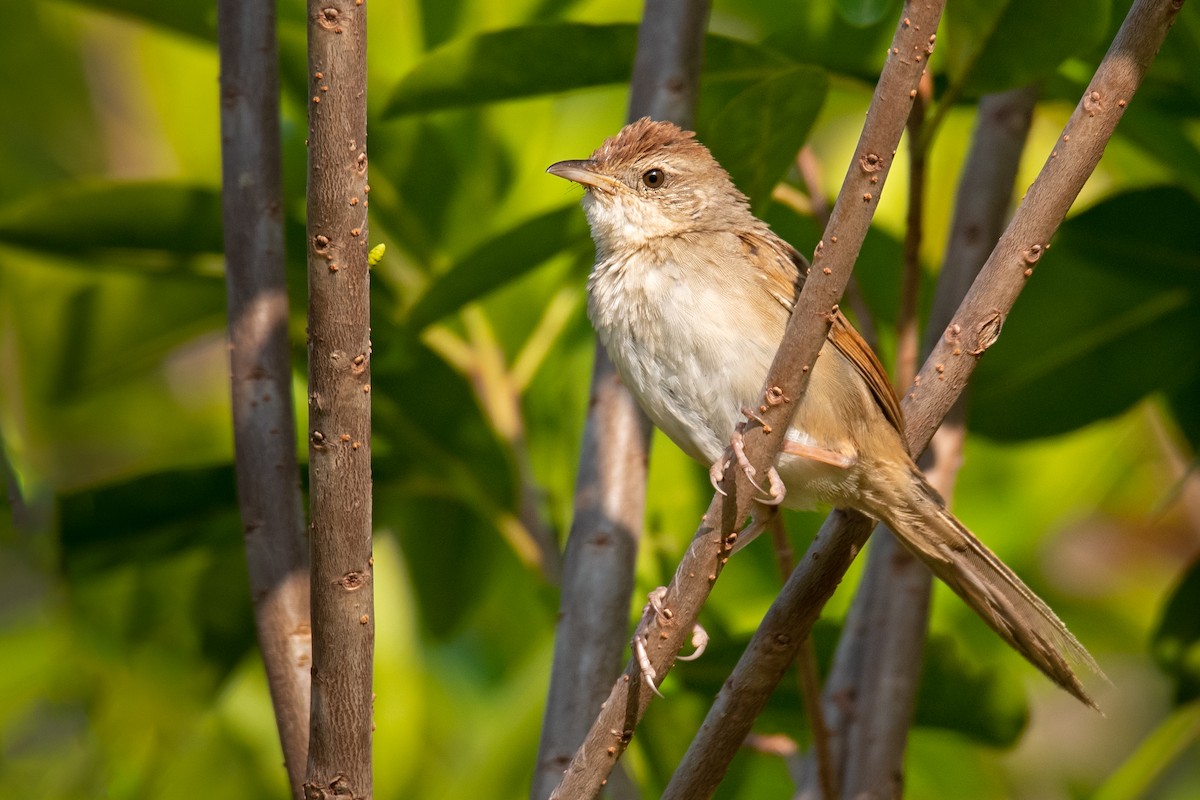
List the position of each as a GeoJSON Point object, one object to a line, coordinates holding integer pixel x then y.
{"type": "Point", "coordinates": [194, 18]}
{"type": "Point", "coordinates": [498, 261]}
{"type": "Point", "coordinates": [1176, 642]}
{"type": "Point", "coordinates": [150, 517]}
{"type": "Point", "coordinates": [758, 133]}
{"type": "Point", "coordinates": [89, 217]}
{"type": "Point", "coordinates": [863, 12]}
{"type": "Point", "coordinates": [1109, 316]}
{"type": "Point", "coordinates": [541, 59]}
{"type": "Point", "coordinates": [995, 46]}
{"type": "Point", "coordinates": [958, 693]}
{"type": "Point", "coordinates": [1155, 756]}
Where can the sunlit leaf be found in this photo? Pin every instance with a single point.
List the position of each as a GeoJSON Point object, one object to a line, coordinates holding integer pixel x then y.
{"type": "Point", "coordinates": [541, 59]}
{"type": "Point", "coordinates": [757, 135]}
{"type": "Point", "coordinates": [499, 260]}
{"type": "Point", "coordinates": [1111, 314]}
{"type": "Point", "coordinates": [1162, 750]}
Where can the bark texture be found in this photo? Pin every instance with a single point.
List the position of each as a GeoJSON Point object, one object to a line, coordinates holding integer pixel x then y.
{"type": "Point", "coordinates": [261, 368]}
{"type": "Point", "coordinates": [610, 491]}
{"type": "Point", "coordinates": [339, 403]}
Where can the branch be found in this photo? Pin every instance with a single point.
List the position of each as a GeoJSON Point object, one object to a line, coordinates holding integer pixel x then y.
{"type": "Point", "coordinates": [610, 488]}
{"type": "Point", "coordinates": [339, 361]}
{"type": "Point", "coordinates": [261, 368]}
{"type": "Point", "coordinates": [665, 634]}
{"type": "Point", "coordinates": [874, 698]}
{"type": "Point", "coordinates": [791, 616]}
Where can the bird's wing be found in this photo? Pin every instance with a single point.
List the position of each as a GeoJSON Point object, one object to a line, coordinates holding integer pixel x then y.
{"type": "Point", "coordinates": [784, 270]}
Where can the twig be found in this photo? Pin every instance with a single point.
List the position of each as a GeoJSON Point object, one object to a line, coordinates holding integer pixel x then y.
{"type": "Point", "coordinates": [339, 370]}
{"type": "Point", "coordinates": [806, 332]}
{"type": "Point", "coordinates": [610, 489]}
{"type": "Point", "coordinates": [810, 172]}
{"type": "Point", "coordinates": [791, 616]}
{"type": "Point", "coordinates": [914, 234]}
{"type": "Point", "coordinates": [261, 366]}
{"type": "Point", "coordinates": [807, 673]}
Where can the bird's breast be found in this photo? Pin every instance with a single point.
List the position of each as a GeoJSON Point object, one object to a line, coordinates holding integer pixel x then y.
{"type": "Point", "coordinates": [680, 346]}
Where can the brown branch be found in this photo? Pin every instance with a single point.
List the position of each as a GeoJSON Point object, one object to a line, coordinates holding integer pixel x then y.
{"type": "Point", "coordinates": [339, 360]}
{"type": "Point", "coordinates": [261, 367]}
{"type": "Point", "coordinates": [665, 634]}
{"type": "Point", "coordinates": [872, 690]}
{"type": "Point", "coordinates": [914, 234]}
{"type": "Point", "coordinates": [610, 489]}
{"type": "Point", "coordinates": [791, 616]}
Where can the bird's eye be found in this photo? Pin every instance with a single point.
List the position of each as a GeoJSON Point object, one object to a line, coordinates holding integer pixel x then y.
{"type": "Point", "coordinates": [654, 178]}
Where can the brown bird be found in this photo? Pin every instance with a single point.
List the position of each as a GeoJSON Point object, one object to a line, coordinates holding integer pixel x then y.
{"type": "Point", "coordinates": [690, 295]}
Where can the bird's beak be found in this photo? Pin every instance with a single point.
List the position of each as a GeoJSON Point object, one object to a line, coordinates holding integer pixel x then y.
{"type": "Point", "coordinates": [584, 173]}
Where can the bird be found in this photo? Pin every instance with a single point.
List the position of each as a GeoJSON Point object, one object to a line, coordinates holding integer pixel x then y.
{"type": "Point", "coordinates": [690, 294]}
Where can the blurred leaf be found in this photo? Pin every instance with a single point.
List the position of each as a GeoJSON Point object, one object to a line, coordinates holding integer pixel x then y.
{"type": "Point", "coordinates": [190, 16]}
{"type": "Point", "coordinates": [1186, 411]}
{"type": "Point", "coordinates": [993, 46]}
{"type": "Point", "coordinates": [824, 36]}
{"type": "Point", "coordinates": [1176, 642]}
{"type": "Point", "coordinates": [147, 518]}
{"type": "Point", "coordinates": [86, 217]}
{"type": "Point", "coordinates": [540, 59]}
{"type": "Point", "coordinates": [978, 699]}
{"type": "Point", "coordinates": [498, 261]}
{"type": "Point", "coordinates": [863, 12]}
{"type": "Point", "coordinates": [1109, 316]}
{"type": "Point", "coordinates": [447, 550]}
{"type": "Point", "coordinates": [1154, 757]}
{"type": "Point", "coordinates": [757, 135]}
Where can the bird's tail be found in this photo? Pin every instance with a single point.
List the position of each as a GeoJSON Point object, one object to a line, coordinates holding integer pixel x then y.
{"type": "Point", "coordinates": [918, 516]}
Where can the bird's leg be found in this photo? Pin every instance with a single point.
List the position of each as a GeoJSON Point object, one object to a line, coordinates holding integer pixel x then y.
{"type": "Point", "coordinates": [776, 492]}
{"type": "Point", "coordinates": [655, 605]}
{"type": "Point", "coordinates": [814, 453]}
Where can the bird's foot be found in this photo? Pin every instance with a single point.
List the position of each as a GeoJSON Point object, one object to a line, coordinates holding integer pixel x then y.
{"type": "Point", "coordinates": [775, 492]}
{"type": "Point", "coordinates": [656, 605]}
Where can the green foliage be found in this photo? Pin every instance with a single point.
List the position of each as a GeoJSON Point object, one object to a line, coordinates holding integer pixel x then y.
{"type": "Point", "coordinates": [127, 661]}
{"type": "Point", "coordinates": [1177, 641]}
{"type": "Point", "coordinates": [755, 134]}
{"type": "Point", "coordinates": [1122, 280]}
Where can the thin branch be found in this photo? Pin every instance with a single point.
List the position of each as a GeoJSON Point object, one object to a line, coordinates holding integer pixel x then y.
{"type": "Point", "coordinates": [610, 488]}
{"type": "Point", "coordinates": [791, 616]}
{"type": "Point", "coordinates": [339, 370]}
{"type": "Point", "coordinates": [787, 379]}
{"type": "Point", "coordinates": [808, 675]}
{"type": "Point", "coordinates": [261, 368]}
{"type": "Point", "coordinates": [914, 234]}
{"type": "Point", "coordinates": [810, 172]}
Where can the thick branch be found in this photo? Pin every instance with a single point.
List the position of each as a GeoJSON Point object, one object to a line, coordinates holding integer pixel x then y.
{"type": "Point", "coordinates": [261, 368]}
{"type": "Point", "coordinates": [610, 489]}
{"type": "Point", "coordinates": [786, 382]}
{"type": "Point", "coordinates": [872, 688]}
{"type": "Point", "coordinates": [339, 360]}
{"type": "Point", "coordinates": [791, 616]}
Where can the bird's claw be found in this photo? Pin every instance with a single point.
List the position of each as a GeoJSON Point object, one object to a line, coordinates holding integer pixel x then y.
{"type": "Point", "coordinates": [776, 492]}
{"type": "Point", "coordinates": [699, 641]}
{"type": "Point", "coordinates": [643, 659]}
{"type": "Point", "coordinates": [656, 605]}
